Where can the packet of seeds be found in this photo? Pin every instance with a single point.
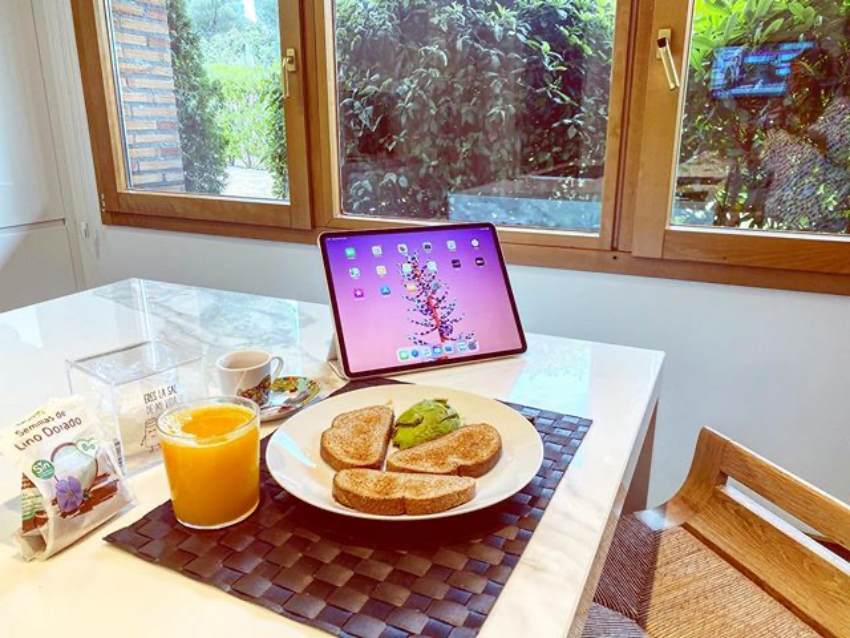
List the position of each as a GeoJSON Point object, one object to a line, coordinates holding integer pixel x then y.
{"type": "Point", "coordinates": [71, 482]}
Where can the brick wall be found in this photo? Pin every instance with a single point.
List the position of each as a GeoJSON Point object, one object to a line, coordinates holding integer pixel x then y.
{"type": "Point", "coordinates": [143, 57]}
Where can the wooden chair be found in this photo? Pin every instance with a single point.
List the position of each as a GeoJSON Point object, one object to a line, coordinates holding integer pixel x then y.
{"type": "Point", "coordinates": [713, 562]}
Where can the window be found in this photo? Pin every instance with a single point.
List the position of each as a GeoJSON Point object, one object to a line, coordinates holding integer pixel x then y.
{"type": "Point", "coordinates": [701, 139]}
{"type": "Point", "coordinates": [201, 124]}
{"type": "Point", "coordinates": [765, 137]}
{"type": "Point", "coordinates": [759, 136]}
{"type": "Point", "coordinates": [198, 92]}
{"type": "Point", "coordinates": [474, 111]}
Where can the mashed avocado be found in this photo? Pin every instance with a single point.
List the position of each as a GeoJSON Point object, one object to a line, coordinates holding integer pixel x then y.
{"type": "Point", "coordinates": [425, 421]}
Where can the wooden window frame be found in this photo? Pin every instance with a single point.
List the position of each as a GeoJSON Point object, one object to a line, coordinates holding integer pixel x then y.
{"type": "Point", "coordinates": [118, 202]}
{"type": "Point", "coordinates": [634, 239]}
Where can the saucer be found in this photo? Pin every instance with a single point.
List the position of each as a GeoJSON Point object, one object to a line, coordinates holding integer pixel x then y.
{"type": "Point", "coordinates": [283, 396]}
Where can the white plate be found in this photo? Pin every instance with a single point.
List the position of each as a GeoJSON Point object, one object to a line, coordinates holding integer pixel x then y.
{"type": "Point", "coordinates": [294, 460]}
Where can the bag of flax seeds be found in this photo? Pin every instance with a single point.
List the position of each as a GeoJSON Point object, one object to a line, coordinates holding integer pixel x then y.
{"type": "Point", "coordinates": [71, 481]}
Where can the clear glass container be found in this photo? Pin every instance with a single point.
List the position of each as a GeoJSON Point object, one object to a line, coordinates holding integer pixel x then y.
{"type": "Point", "coordinates": [211, 449]}
{"type": "Point", "coordinates": [131, 386]}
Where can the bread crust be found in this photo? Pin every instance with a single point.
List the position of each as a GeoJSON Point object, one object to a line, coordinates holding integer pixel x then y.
{"type": "Point", "coordinates": [396, 494]}
{"type": "Point", "coordinates": [472, 450]}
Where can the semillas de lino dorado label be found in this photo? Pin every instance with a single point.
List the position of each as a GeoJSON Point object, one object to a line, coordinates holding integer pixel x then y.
{"type": "Point", "coordinates": [71, 478]}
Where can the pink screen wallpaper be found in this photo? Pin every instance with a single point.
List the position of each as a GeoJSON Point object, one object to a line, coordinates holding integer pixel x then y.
{"type": "Point", "coordinates": [418, 296]}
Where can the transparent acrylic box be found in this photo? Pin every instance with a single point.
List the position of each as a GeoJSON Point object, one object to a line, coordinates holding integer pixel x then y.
{"type": "Point", "coordinates": [130, 387]}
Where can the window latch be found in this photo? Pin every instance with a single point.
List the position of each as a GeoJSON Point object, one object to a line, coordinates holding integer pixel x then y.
{"type": "Point", "coordinates": [288, 64]}
{"type": "Point", "coordinates": [664, 54]}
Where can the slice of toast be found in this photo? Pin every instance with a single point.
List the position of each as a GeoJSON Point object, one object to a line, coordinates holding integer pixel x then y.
{"type": "Point", "coordinates": [358, 438]}
{"type": "Point", "coordinates": [472, 450]}
{"type": "Point", "coordinates": [395, 493]}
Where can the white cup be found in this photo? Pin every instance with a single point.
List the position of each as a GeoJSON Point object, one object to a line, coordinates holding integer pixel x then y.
{"type": "Point", "coordinates": [243, 370]}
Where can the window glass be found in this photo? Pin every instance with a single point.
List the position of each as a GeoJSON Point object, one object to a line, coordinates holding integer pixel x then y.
{"type": "Point", "coordinates": [198, 87]}
{"type": "Point", "coordinates": [765, 141]}
{"type": "Point", "coordinates": [479, 110]}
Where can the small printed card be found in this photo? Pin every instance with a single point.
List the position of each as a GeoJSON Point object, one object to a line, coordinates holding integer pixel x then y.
{"type": "Point", "coordinates": [138, 415]}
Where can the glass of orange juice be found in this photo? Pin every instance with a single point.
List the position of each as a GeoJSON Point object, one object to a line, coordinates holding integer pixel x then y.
{"type": "Point", "coordinates": [211, 449]}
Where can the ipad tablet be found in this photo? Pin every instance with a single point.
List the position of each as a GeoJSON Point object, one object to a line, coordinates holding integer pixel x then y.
{"type": "Point", "coordinates": [413, 298]}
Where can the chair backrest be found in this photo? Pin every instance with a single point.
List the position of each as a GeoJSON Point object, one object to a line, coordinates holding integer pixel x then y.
{"type": "Point", "coordinates": [805, 576]}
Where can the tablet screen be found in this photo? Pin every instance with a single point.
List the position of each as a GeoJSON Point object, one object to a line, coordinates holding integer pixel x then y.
{"type": "Point", "coordinates": [419, 297]}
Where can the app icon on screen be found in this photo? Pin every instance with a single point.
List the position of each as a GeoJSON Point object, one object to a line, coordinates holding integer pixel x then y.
{"type": "Point", "coordinates": [472, 345]}
{"type": "Point", "coordinates": [354, 272]}
{"type": "Point", "coordinates": [402, 249]}
{"type": "Point", "coordinates": [381, 270]}
{"type": "Point", "coordinates": [426, 246]}
{"type": "Point", "coordinates": [406, 268]}
{"type": "Point", "coordinates": [451, 245]}
{"type": "Point", "coordinates": [414, 354]}
{"type": "Point", "coordinates": [455, 263]}
{"type": "Point", "coordinates": [410, 286]}
{"type": "Point", "coordinates": [475, 243]}
{"type": "Point", "coordinates": [385, 290]}
{"type": "Point", "coordinates": [479, 261]}
{"type": "Point", "coordinates": [461, 346]}
{"type": "Point", "coordinates": [358, 293]}
{"type": "Point", "coordinates": [403, 354]}
{"type": "Point", "coordinates": [377, 251]}
{"type": "Point", "coordinates": [436, 351]}
{"type": "Point", "coordinates": [350, 252]}
{"type": "Point", "coordinates": [432, 265]}
{"type": "Point", "coordinates": [448, 348]}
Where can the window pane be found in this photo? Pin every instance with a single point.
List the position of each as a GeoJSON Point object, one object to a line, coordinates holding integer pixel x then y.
{"type": "Point", "coordinates": [765, 141]}
{"type": "Point", "coordinates": [198, 85]}
{"type": "Point", "coordinates": [474, 110]}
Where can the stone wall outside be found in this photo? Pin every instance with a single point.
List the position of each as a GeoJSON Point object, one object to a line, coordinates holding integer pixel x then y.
{"type": "Point", "coordinates": [146, 91]}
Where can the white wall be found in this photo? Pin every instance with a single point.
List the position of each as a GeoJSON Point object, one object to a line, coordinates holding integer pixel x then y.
{"type": "Point", "coordinates": [769, 368]}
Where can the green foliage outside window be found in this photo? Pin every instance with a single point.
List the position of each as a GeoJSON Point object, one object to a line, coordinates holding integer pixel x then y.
{"type": "Point", "coordinates": [242, 113]}
{"type": "Point", "coordinates": [438, 96]}
{"type": "Point", "coordinates": [198, 101]}
{"type": "Point", "coordinates": [275, 156]}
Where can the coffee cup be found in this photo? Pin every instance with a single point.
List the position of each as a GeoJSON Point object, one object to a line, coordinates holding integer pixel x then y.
{"type": "Point", "coordinates": [247, 372]}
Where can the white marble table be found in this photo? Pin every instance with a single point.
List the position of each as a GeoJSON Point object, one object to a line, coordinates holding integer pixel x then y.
{"type": "Point", "coordinates": [93, 587]}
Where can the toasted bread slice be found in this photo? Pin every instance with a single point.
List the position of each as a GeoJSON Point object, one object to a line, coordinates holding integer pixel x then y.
{"type": "Point", "coordinates": [358, 438]}
{"type": "Point", "coordinates": [395, 493]}
{"type": "Point", "coordinates": [472, 450]}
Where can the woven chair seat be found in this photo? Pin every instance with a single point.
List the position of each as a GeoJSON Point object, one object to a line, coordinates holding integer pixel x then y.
{"type": "Point", "coordinates": [669, 584]}
{"type": "Point", "coordinates": [602, 621]}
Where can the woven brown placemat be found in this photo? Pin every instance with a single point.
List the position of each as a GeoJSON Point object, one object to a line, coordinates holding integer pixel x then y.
{"type": "Point", "coordinates": [353, 577]}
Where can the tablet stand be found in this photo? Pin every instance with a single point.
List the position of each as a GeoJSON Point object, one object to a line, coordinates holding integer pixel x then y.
{"type": "Point", "coordinates": [333, 358]}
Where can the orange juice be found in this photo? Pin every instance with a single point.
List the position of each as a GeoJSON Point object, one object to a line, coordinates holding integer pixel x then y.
{"type": "Point", "coordinates": [212, 457]}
